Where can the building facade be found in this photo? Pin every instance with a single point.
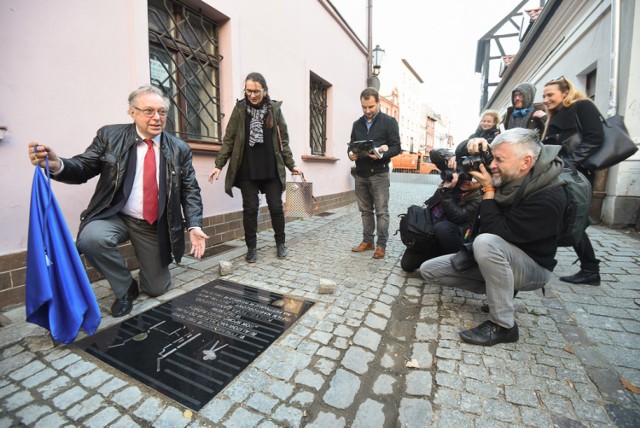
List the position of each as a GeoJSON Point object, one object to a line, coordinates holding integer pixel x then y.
{"type": "Point", "coordinates": [389, 104]}
{"type": "Point", "coordinates": [575, 40]}
{"type": "Point", "coordinates": [69, 66]}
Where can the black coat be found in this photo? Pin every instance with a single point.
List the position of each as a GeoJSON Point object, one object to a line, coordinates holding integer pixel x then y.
{"type": "Point", "coordinates": [384, 130]}
{"type": "Point", "coordinates": [458, 208]}
{"type": "Point", "coordinates": [108, 156]}
{"type": "Point", "coordinates": [582, 117]}
{"type": "Point", "coordinates": [533, 225]}
{"type": "Point", "coordinates": [488, 135]}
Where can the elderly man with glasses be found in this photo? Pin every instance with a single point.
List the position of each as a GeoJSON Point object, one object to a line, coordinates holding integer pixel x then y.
{"type": "Point", "coordinates": [146, 183]}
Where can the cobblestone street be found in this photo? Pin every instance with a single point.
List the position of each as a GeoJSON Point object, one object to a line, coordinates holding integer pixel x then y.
{"type": "Point", "coordinates": [344, 362]}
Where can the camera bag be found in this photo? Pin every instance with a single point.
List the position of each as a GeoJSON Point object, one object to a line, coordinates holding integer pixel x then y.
{"type": "Point", "coordinates": [416, 228]}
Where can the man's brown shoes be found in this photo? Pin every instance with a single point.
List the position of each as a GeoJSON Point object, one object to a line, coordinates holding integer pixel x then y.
{"type": "Point", "coordinates": [379, 253]}
{"type": "Point", "coordinates": [363, 246]}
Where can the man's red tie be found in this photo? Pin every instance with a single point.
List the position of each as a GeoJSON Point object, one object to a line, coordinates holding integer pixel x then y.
{"type": "Point", "coordinates": [149, 185]}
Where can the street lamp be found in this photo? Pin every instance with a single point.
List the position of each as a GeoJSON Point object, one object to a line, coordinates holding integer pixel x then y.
{"type": "Point", "coordinates": [375, 59]}
{"type": "Point", "coordinates": [377, 55]}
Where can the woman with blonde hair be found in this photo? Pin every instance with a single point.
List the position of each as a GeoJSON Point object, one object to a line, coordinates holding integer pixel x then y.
{"type": "Point", "coordinates": [487, 129]}
{"type": "Point", "coordinates": [570, 112]}
{"type": "Point", "coordinates": [488, 126]}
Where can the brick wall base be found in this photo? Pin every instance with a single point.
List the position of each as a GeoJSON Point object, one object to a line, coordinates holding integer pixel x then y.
{"type": "Point", "coordinates": [220, 228]}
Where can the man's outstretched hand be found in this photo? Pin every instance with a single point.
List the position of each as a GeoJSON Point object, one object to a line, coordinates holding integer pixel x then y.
{"type": "Point", "coordinates": [198, 242]}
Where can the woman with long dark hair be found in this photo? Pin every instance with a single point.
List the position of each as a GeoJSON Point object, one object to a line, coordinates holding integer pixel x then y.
{"type": "Point", "coordinates": [570, 111]}
{"type": "Point", "coordinates": [256, 144]}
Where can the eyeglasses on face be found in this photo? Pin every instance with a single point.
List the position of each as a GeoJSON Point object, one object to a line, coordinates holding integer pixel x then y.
{"type": "Point", "coordinates": [253, 92]}
{"type": "Point", "coordinates": [149, 112]}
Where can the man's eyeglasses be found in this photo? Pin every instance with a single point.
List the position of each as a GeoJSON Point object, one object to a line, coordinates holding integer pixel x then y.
{"type": "Point", "coordinates": [256, 92]}
{"type": "Point", "coordinates": [149, 112]}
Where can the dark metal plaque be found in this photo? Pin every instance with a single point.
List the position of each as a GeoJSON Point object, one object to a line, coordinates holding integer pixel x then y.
{"type": "Point", "coordinates": [191, 347]}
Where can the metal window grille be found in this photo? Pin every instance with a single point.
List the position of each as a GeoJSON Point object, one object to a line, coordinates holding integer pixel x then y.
{"type": "Point", "coordinates": [184, 60]}
{"type": "Point", "coordinates": [318, 117]}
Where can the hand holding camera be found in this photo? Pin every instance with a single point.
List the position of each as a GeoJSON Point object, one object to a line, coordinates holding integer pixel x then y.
{"type": "Point", "coordinates": [465, 167]}
{"type": "Point", "coordinates": [452, 182]}
{"type": "Point", "coordinates": [475, 145]}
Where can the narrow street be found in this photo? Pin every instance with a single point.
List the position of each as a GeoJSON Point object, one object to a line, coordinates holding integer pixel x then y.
{"type": "Point", "coordinates": [345, 362]}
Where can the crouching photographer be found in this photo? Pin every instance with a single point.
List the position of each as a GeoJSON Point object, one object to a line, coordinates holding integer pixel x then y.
{"type": "Point", "coordinates": [452, 209]}
{"type": "Point", "coordinates": [522, 201]}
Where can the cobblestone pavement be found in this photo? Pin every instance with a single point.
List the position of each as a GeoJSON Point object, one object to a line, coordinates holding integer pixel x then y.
{"type": "Point", "coordinates": [343, 363]}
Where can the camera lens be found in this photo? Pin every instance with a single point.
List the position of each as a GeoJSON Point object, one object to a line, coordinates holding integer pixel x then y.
{"type": "Point", "coordinates": [465, 177]}
{"type": "Point", "coordinates": [470, 163]}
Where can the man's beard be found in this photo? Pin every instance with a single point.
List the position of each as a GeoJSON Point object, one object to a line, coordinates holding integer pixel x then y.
{"type": "Point", "coordinates": [504, 178]}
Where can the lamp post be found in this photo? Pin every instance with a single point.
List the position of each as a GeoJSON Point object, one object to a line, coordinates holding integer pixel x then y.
{"type": "Point", "coordinates": [376, 63]}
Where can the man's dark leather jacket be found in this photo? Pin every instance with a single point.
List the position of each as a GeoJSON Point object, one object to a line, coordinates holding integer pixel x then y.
{"type": "Point", "coordinates": [108, 156]}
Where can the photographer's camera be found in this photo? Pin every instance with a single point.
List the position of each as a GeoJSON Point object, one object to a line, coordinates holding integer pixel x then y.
{"type": "Point", "coordinates": [473, 162]}
{"type": "Point", "coordinates": [441, 157]}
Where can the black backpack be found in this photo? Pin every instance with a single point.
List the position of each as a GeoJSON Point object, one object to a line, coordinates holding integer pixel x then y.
{"type": "Point", "coordinates": [576, 216]}
{"type": "Point", "coordinates": [416, 229]}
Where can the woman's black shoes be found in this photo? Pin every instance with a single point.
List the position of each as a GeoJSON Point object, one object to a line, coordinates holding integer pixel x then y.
{"type": "Point", "coordinates": [281, 251]}
{"type": "Point", "coordinates": [252, 255]}
{"type": "Point", "coordinates": [588, 277]}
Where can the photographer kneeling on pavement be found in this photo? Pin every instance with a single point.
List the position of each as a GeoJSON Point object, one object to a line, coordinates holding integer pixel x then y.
{"type": "Point", "coordinates": [519, 226]}
{"type": "Point", "coordinates": [452, 207]}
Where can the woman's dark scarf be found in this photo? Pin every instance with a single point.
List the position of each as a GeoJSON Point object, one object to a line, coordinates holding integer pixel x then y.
{"type": "Point", "coordinates": [256, 135]}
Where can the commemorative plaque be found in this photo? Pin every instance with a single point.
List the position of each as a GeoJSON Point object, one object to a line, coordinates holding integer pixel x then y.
{"type": "Point", "coordinates": [191, 347]}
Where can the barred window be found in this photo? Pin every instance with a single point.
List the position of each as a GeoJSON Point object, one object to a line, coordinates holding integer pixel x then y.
{"type": "Point", "coordinates": [184, 60]}
{"type": "Point", "coordinates": [318, 115]}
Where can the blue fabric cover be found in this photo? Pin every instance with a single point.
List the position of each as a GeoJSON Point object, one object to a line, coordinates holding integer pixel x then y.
{"type": "Point", "coordinates": [58, 292]}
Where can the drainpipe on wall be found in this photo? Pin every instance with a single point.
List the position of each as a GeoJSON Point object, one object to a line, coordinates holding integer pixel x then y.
{"type": "Point", "coordinates": [369, 39]}
{"type": "Point", "coordinates": [615, 49]}
{"type": "Point", "coordinates": [600, 182]}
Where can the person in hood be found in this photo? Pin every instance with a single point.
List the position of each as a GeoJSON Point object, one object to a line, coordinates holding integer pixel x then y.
{"type": "Point", "coordinates": [524, 113]}
{"type": "Point", "coordinates": [518, 231]}
{"type": "Point", "coordinates": [256, 144]}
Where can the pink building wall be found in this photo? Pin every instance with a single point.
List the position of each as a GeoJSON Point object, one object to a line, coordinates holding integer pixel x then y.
{"type": "Point", "coordinates": [68, 67]}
